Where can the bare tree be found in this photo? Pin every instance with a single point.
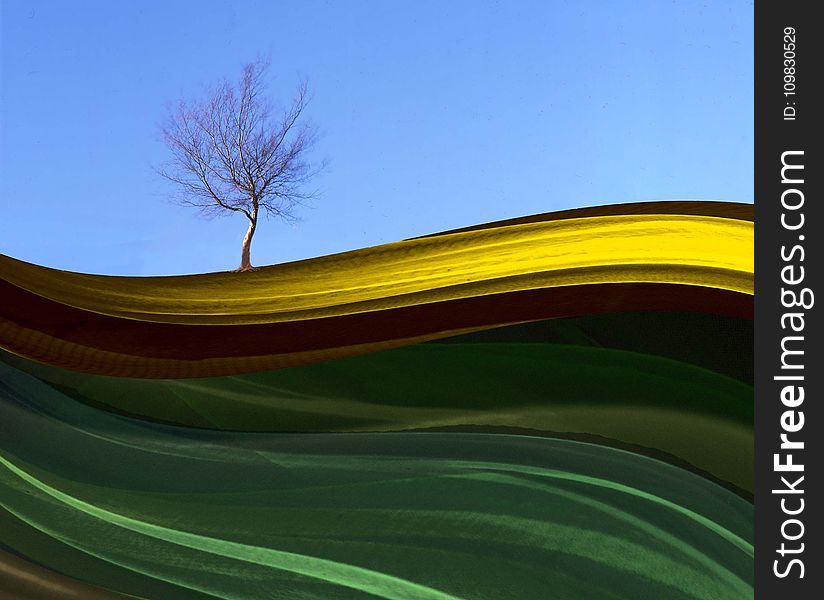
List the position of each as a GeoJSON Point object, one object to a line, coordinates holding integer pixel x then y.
{"type": "Point", "coordinates": [230, 153]}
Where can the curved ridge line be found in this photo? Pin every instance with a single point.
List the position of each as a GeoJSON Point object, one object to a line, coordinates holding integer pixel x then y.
{"type": "Point", "coordinates": [622, 515]}
{"type": "Point", "coordinates": [518, 250]}
{"type": "Point", "coordinates": [679, 206]}
{"type": "Point", "coordinates": [351, 576]}
{"type": "Point", "coordinates": [723, 532]}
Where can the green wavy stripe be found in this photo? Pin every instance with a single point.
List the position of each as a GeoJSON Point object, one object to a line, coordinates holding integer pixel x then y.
{"type": "Point", "coordinates": [417, 386]}
{"type": "Point", "coordinates": [687, 411]}
{"type": "Point", "coordinates": [173, 512]}
{"type": "Point", "coordinates": [330, 571]}
{"type": "Point", "coordinates": [715, 342]}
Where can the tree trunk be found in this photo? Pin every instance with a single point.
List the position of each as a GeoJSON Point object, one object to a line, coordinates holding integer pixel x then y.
{"type": "Point", "coordinates": [245, 256]}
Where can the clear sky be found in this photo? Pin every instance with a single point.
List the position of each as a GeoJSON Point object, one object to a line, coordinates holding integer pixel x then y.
{"type": "Point", "coordinates": [433, 115]}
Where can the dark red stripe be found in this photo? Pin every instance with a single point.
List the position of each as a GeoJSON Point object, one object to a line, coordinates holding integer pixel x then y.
{"type": "Point", "coordinates": [192, 342]}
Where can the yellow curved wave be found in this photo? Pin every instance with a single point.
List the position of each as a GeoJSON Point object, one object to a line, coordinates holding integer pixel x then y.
{"type": "Point", "coordinates": [680, 249]}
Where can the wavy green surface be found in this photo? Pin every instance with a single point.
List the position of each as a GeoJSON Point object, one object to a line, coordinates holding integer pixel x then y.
{"type": "Point", "coordinates": [557, 377]}
{"type": "Point", "coordinates": [167, 512]}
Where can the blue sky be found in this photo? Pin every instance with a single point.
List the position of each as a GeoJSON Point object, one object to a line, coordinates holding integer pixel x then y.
{"type": "Point", "coordinates": [433, 115]}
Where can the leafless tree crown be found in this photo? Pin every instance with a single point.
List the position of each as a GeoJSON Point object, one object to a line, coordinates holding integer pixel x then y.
{"type": "Point", "coordinates": [231, 152]}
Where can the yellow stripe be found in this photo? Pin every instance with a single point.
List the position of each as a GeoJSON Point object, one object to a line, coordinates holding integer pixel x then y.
{"type": "Point", "coordinates": [692, 250]}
